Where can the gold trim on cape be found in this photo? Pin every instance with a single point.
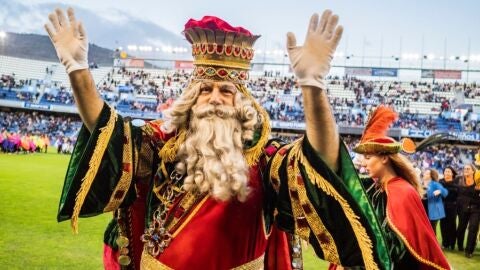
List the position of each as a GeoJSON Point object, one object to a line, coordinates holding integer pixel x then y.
{"type": "Point", "coordinates": [277, 162]}
{"type": "Point", "coordinates": [93, 165]}
{"type": "Point", "coordinates": [327, 244]}
{"type": "Point", "coordinates": [148, 262]}
{"type": "Point", "coordinates": [168, 153]}
{"type": "Point", "coordinates": [364, 241]}
{"type": "Point", "coordinates": [409, 247]}
{"type": "Point", "coordinates": [257, 264]}
{"type": "Point", "coordinates": [126, 179]}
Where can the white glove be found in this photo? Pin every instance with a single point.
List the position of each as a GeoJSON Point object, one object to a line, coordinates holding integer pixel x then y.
{"type": "Point", "coordinates": [437, 192]}
{"type": "Point", "coordinates": [311, 62]}
{"type": "Point", "coordinates": [69, 39]}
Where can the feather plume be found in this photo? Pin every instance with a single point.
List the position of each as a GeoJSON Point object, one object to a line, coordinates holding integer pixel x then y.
{"type": "Point", "coordinates": [378, 123]}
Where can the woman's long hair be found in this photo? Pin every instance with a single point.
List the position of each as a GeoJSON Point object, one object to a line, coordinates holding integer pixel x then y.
{"type": "Point", "coordinates": [433, 174]}
{"type": "Point", "coordinates": [404, 168]}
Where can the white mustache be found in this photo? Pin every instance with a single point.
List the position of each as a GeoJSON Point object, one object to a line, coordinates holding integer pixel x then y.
{"type": "Point", "coordinates": [209, 110]}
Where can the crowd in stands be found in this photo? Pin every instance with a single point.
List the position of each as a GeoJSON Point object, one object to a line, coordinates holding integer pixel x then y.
{"type": "Point", "coordinates": [142, 91]}
{"type": "Point", "coordinates": [472, 126]}
{"type": "Point", "coordinates": [8, 81]}
{"type": "Point", "coordinates": [61, 96]}
{"type": "Point", "coordinates": [141, 82]}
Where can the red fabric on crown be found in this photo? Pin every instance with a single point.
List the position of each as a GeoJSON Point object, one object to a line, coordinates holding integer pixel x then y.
{"type": "Point", "coordinates": [214, 23]}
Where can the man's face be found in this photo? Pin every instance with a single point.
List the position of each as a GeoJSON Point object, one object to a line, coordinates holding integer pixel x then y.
{"type": "Point", "coordinates": [217, 93]}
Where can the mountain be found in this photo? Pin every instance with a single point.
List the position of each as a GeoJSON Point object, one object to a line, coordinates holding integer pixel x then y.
{"type": "Point", "coordinates": [110, 29]}
{"type": "Point", "coordinates": [38, 47]}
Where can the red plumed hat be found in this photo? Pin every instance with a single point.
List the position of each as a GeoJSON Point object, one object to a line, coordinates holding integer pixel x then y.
{"type": "Point", "coordinates": [374, 139]}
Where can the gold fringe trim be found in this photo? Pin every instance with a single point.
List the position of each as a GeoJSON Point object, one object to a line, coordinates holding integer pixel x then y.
{"type": "Point", "coordinates": [412, 251]}
{"type": "Point", "coordinates": [168, 153]}
{"type": "Point", "coordinates": [148, 262]}
{"type": "Point", "coordinates": [252, 154]}
{"type": "Point", "coordinates": [364, 241]}
{"type": "Point", "coordinates": [94, 164]}
{"type": "Point", "coordinates": [409, 247]}
{"type": "Point", "coordinates": [126, 179]}
{"type": "Point", "coordinates": [297, 211]}
{"type": "Point", "coordinates": [257, 264]}
{"type": "Point", "coordinates": [328, 247]}
{"type": "Point", "coordinates": [277, 162]}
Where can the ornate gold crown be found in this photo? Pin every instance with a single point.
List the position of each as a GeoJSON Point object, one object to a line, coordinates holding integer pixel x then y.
{"type": "Point", "coordinates": [220, 51]}
{"type": "Point", "coordinates": [223, 53]}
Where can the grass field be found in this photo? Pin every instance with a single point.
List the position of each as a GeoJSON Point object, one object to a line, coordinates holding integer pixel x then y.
{"type": "Point", "coordinates": [30, 237]}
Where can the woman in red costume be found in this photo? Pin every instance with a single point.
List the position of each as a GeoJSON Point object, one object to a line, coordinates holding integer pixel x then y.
{"type": "Point", "coordinates": [395, 193]}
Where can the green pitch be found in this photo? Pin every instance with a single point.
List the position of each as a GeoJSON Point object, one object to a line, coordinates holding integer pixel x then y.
{"type": "Point", "coordinates": [30, 237]}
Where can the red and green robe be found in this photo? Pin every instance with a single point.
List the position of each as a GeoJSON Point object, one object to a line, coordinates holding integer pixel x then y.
{"type": "Point", "coordinates": [117, 167]}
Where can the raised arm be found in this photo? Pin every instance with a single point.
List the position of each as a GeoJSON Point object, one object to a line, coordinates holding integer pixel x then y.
{"type": "Point", "coordinates": [311, 64]}
{"type": "Point", "coordinates": [71, 44]}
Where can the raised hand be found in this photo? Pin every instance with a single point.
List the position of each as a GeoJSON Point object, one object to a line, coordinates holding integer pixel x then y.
{"type": "Point", "coordinates": [69, 39]}
{"type": "Point", "coordinates": [311, 62]}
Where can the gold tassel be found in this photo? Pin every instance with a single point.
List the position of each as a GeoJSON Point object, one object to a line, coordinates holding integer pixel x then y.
{"type": "Point", "coordinates": [93, 165]}
{"type": "Point", "coordinates": [168, 153]}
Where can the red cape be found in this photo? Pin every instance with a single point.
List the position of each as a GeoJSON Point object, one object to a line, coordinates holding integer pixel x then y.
{"type": "Point", "coordinates": [407, 218]}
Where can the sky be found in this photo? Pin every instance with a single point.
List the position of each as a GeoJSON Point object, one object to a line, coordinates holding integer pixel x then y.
{"type": "Point", "coordinates": [372, 27]}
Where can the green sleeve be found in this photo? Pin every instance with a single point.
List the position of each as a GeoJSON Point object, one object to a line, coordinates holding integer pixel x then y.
{"type": "Point", "coordinates": [100, 169]}
{"type": "Point", "coordinates": [329, 209]}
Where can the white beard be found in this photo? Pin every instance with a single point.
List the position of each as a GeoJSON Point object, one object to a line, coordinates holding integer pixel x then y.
{"type": "Point", "coordinates": [212, 154]}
